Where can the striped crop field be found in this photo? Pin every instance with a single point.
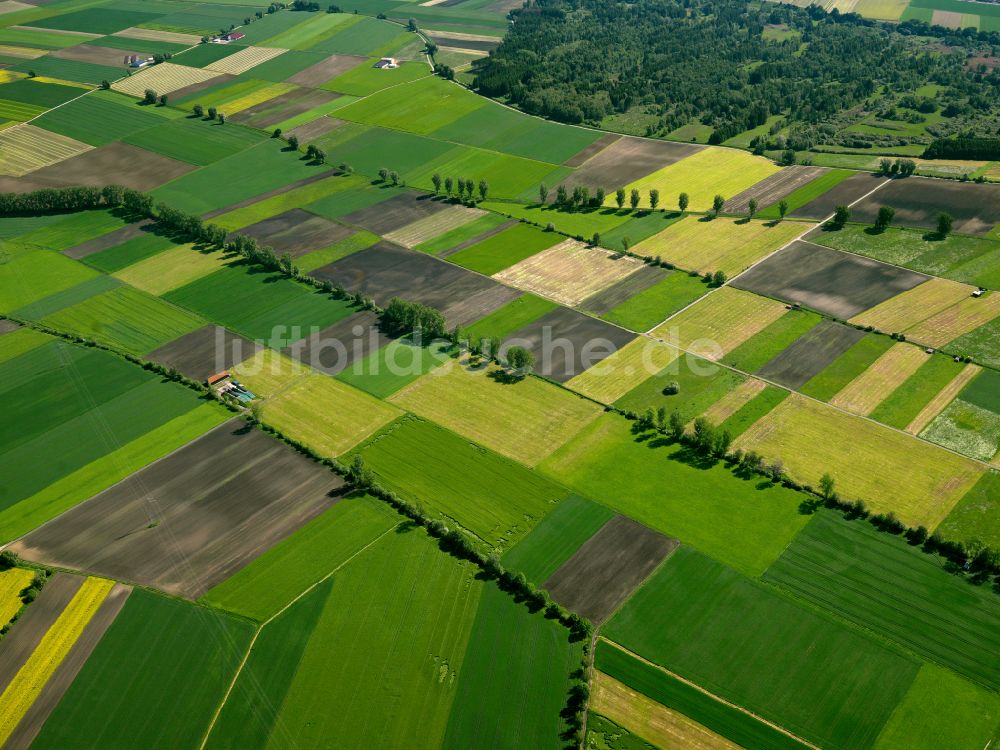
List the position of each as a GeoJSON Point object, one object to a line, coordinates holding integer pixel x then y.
{"type": "Point", "coordinates": [245, 59]}
{"type": "Point", "coordinates": [25, 148]}
{"type": "Point", "coordinates": [52, 649]}
{"type": "Point", "coordinates": [162, 79]}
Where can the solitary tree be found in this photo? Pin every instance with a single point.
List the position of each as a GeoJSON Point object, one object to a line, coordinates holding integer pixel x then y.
{"type": "Point", "coordinates": [626, 244]}
{"type": "Point", "coordinates": [654, 198]}
{"type": "Point", "coordinates": [620, 197]}
{"type": "Point", "coordinates": [149, 97]}
{"type": "Point", "coordinates": [841, 215]}
{"type": "Point", "coordinates": [543, 193]}
{"type": "Point", "coordinates": [751, 208]}
{"type": "Point", "coordinates": [105, 84]}
{"type": "Point", "coordinates": [199, 111]}
{"type": "Point", "coordinates": [944, 222]}
{"type": "Point", "coordinates": [394, 177]}
{"type": "Point", "coordinates": [520, 360]}
{"type": "Point", "coordinates": [782, 208]}
{"type": "Point", "coordinates": [826, 486]}
{"type": "Point", "coordinates": [718, 278]}
{"type": "Point", "coordinates": [293, 142]}
{"type": "Point", "coordinates": [682, 202]}
{"type": "Point", "coordinates": [634, 198]}
{"type": "Point", "coordinates": [212, 112]}
{"type": "Point", "coordinates": [412, 24]}
{"type": "Point", "coordinates": [436, 180]}
{"type": "Point", "coordinates": [484, 189]}
{"type": "Point", "coordinates": [163, 100]}
{"type": "Point", "coordinates": [884, 218]}
{"type": "Point", "coordinates": [596, 239]}
{"type": "Point", "coordinates": [383, 174]}
{"type": "Point", "coordinates": [717, 204]}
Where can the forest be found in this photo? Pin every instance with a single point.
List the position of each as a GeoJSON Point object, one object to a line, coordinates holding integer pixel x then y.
{"type": "Point", "coordinates": [732, 65]}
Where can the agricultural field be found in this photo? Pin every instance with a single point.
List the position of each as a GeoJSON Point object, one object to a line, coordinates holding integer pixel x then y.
{"type": "Point", "coordinates": [27, 148]}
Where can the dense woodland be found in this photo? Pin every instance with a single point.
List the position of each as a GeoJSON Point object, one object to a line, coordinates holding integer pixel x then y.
{"type": "Point", "coordinates": [584, 60]}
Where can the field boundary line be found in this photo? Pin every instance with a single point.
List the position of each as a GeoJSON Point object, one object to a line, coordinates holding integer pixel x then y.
{"type": "Point", "coordinates": [711, 695]}
{"type": "Point", "coordinates": [246, 656]}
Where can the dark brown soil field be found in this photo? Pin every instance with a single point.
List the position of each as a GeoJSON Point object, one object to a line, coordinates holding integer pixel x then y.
{"type": "Point", "coordinates": [773, 189]}
{"type": "Point", "coordinates": [6, 326]}
{"type": "Point", "coordinates": [113, 164]}
{"type": "Point", "coordinates": [324, 70]}
{"type": "Point", "coordinates": [592, 150]}
{"type": "Point", "coordinates": [386, 270]}
{"type": "Point", "coordinates": [192, 519]}
{"type": "Point", "coordinates": [810, 354]}
{"type": "Point", "coordinates": [334, 349]}
{"type": "Point", "coordinates": [443, 39]}
{"type": "Point", "coordinates": [271, 193]}
{"type": "Point", "coordinates": [297, 232]}
{"type": "Point", "coordinates": [105, 241]}
{"type": "Point", "coordinates": [835, 283]}
{"type": "Point", "coordinates": [624, 290]}
{"type": "Point", "coordinates": [608, 567]}
{"type": "Point", "coordinates": [919, 200]}
{"type": "Point", "coordinates": [282, 107]}
{"type": "Point", "coordinates": [194, 88]}
{"type": "Point", "coordinates": [204, 352]}
{"type": "Point", "coordinates": [318, 127]}
{"type": "Point", "coordinates": [566, 342]}
{"type": "Point", "coordinates": [843, 194]}
{"type": "Point", "coordinates": [478, 238]}
{"type": "Point", "coordinates": [627, 160]}
{"type": "Point", "coordinates": [27, 729]}
{"type": "Point", "coordinates": [91, 53]}
{"type": "Point", "coordinates": [397, 212]}
{"type": "Point", "coordinates": [25, 635]}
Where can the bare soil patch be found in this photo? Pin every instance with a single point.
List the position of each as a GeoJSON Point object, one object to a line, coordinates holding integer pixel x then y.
{"type": "Point", "coordinates": [91, 53]}
{"type": "Point", "coordinates": [205, 352]}
{"type": "Point", "coordinates": [830, 281]}
{"type": "Point", "coordinates": [842, 194]}
{"type": "Point", "coordinates": [385, 270]}
{"type": "Point", "coordinates": [192, 519]}
{"type": "Point", "coordinates": [395, 213]}
{"type": "Point", "coordinates": [566, 342]}
{"type": "Point", "coordinates": [194, 88]}
{"type": "Point", "coordinates": [948, 19]}
{"type": "Point", "coordinates": [7, 326]}
{"type": "Point", "coordinates": [443, 39]}
{"type": "Point", "coordinates": [31, 627]}
{"type": "Point", "coordinates": [105, 241]}
{"type": "Point", "coordinates": [324, 70]}
{"type": "Point", "coordinates": [297, 232]}
{"type": "Point", "coordinates": [29, 726]}
{"type": "Point", "coordinates": [608, 567]}
{"type": "Point", "coordinates": [919, 200]}
{"type": "Point", "coordinates": [629, 159]}
{"type": "Point", "coordinates": [624, 290]}
{"type": "Point", "coordinates": [592, 150]}
{"type": "Point", "coordinates": [772, 189]}
{"type": "Point", "coordinates": [335, 348]}
{"type": "Point", "coordinates": [810, 354]}
{"type": "Point", "coordinates": [318, 127]}
{"type": "Point", "coordinates": [282, 107]}
{"type": "Point", "coordinates": [115, 163]}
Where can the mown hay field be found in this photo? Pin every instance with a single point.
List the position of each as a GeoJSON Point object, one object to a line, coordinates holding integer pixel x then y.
{"type": "Point", "coordinates": [163, 79]}
{"type": "Point", "coordinates": [875, 384]}
{"type": "Point", "coordinates": [242, 61]}
{"type": "Point", "coordinates": [918, 482]}
{"type": "Point", "coordinates": [913, 306]}
{"type": "Point", "coordinates": [956, 321]}
{"type": "Point", "coordinates": [627, 368]}
{"type": "Point", "coordinates": [171, 269]}
{"type": "Point", "coordinates": [426, 229]}
{"type": "Point", "coordinates": [703, 175]}
{"type": "Point", "coordinates": [526, 420]}
{"type": "Point", "coordinates": [25, 148]}
{"type": "Point", "coordinates": [722, 244]}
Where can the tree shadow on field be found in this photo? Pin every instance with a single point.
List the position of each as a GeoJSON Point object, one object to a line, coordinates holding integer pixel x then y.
{"type": "Point", "coordinates": [693, 458]}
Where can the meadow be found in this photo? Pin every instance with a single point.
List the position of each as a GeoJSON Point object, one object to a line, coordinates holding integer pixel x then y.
{"type": "Point", "coordinates": [668, 490]}
{"type": "Point", "coordinates": [767, 344]}
{"type": "Point", "coordinates": [503, 250]}
{"type": "Point", "coordinates": [394, 366]}
{"type": "Point", "coordinates": [652, 306]}
{"type": "Point", "coordinates": [847, 367]}
{"type": "Point", "coordinates": [811, 674]}
{"type": "Point", "coordinates": [493, 497]}
{"type": "Point", "coordinates": [514, 315]}
{"type": "Point", "coordinates": [869, 578]}
{"type": "Point", "coordinates": [623, 371]}
{"type": "Point", "coordinates": [102, 117]}
{"type": "Point", "coordinates": [196, 141]}
{"type": "Point", "coordinates": [903, 405]}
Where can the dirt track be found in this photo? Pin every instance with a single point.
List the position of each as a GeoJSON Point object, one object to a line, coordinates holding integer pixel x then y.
{"type": "Point", "coordinates": [608, 567]}
{"type": "Point", "coordinates": [192, 519]}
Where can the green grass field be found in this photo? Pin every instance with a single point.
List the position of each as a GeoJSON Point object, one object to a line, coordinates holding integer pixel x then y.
{"type": "Point", "coordinates": [660, 485]}
{"type": "Point", "coordinates": [906, 402]}
{"type": "Point", "coordinates": [966, 428]}
{"type": "Point", "coordinates": [762, 347]}
{"type": "Point", "coordinates": [131, 251]}
{"type": "Point", "coordinates": [977, 514]}
{"type": "Point", "coordinates": [505, 249]}
{"type": "Point", "coordinates": [259, 304]}
{"type": "Point", "coordinates": [304, 195]}
{"type": "Point", "coordinates": [394, 366]}
{"type": "Point", "coordinates": [74, 295]}
{"type": "Point", "coordinates": [831, 380]}
{"type": "Point", "coordinates": [419, 107]}
{"type": "Point", "coordinates": [982, 344]}
{"type": "Point", "coordinates": [458, 235]}
{"type": "Point", "coordinates": [153, 680]}
{"type": "Point", "coordinates": [808, 192]}
{"type": "Point", "coordinates": [75, 228]}
{"type": "Point", "coordinates": [103, 117]}
{"type": "Point", "coordinates": [507, 319]}
{"type": "Point", "coordinates": [126, 319]}
{"type": "Point", "coordinates": [367, 37]}
{"type": "Point", "coordinates": [652, 306]}
{"type": "Point", "coordinates": [677, 695]}
{"type": "Point", "coordinates": [94, 20]}
{"type": "Point", "coordinates": [508, 176]}
{"type": "Point", "coordinates": [384, 642]}
{"type": "Point", "coordinates": [514, 678]}
{"type": "Point", "coordinates": [583, 223]}
{"type": "Point", "coordinates": [557, 537]}
{"type": "Point", "coordinates": [366, 79]}
{"type": "Point", "coordinates": [701, 383]}
{"type": "Point", "coordinates": [370, 149]}
{"type": "Point", "coordinates": [196, 141]}
{"type": "Point", "coordinates": [973, 260]}
{"type": "Point", "coordinates": [311, 29]}
{"type": "Point", "coordinates": [68, 70]}
{"type": "Point", "coordinates": [493, 497]}
{"type": "Point", "coordinates": [757, 408]}
{"type": "Point", "coordinates": [872, 578]}
{"type": "Point", "coordinates": [809, 673]}
{"type": "Point", "coordinates": [30, 275]}
{"type": "Point", "coordinates": [299, 561]}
